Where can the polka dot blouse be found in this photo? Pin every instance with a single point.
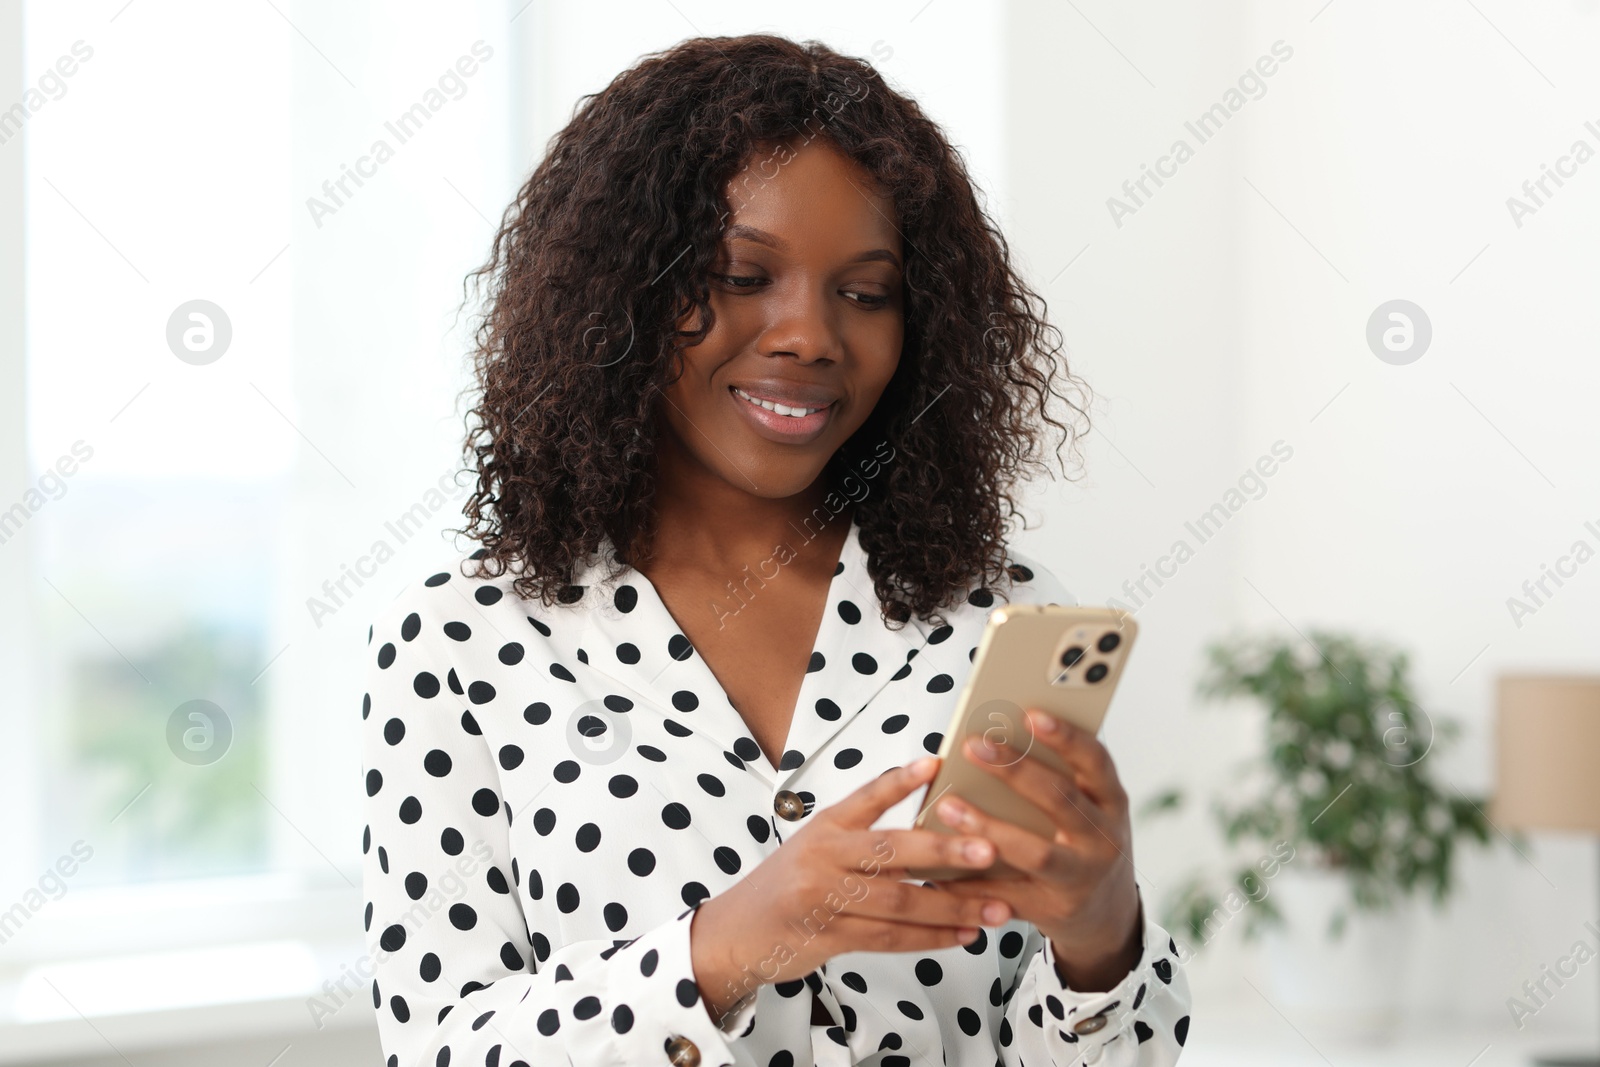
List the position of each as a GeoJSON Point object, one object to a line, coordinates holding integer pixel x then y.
{"type": "Point", "coordinates": [551, 792]}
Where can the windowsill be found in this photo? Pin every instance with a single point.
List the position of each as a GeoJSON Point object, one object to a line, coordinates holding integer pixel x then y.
{"type": "Point", "coordinates": [158, 965]}
{"type": "Point", "coordinates": [156, 1000]}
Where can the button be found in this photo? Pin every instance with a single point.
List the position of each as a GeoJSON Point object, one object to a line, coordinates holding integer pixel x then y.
{"type": "Point", "coordinates": [1090, 1025]}
{"type": "Point", "coordinates": [681, 1052]}
{"type": "Point", "coordinates": [788, 805]}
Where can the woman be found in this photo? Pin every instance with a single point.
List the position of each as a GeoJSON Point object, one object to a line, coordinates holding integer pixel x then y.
{"type": "Point", "coordinates": [756, 377]}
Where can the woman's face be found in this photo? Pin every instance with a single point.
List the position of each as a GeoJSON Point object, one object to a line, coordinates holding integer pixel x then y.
{"type": "Point", "coordinates": [806, 292]}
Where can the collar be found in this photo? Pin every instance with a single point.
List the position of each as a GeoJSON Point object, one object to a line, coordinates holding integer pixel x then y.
{"type": "Point", "coordinates": [850, 662]}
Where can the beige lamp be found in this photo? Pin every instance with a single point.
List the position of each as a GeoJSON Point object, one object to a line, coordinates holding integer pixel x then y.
{"type": "Point", "coordinates": [1548, 744]}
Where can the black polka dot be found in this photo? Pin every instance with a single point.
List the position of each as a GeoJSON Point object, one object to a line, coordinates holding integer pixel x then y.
{"type": "Point", "coordinates": [567, 898]}
{"type": "Point", "coordinates": [437, 762]}
{"type": "Point", "coordinates": [485, 802]}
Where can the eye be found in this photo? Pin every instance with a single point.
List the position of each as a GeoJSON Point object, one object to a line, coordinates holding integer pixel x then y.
{"type": "Point", "coordinates": [739, 281]}
{"type": "Point", "coordinates": [869, 301]}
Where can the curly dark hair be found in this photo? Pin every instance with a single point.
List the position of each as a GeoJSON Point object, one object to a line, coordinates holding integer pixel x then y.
{"type": "Point", "coordinates": [610, 243]}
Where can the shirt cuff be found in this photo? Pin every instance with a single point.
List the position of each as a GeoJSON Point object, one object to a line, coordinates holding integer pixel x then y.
{"type": "Point", "coordinates": [657, 1012]}
{"type": "Point", "coordinates": [1089, 1021]}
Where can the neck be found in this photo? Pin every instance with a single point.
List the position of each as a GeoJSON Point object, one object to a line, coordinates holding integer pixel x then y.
{"type": "Point", "coordinates": [705, 523]}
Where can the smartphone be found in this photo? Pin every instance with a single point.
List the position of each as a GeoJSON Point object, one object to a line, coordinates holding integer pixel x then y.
{"type": "Point", "coordinates": [1063, 660]}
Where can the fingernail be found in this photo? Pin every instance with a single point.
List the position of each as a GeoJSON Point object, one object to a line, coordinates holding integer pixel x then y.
{"type": "Point", "coordinates": [977, 851]}
{"type": "Point", "coordinates": [995, 913]}
{"type": "Point", "coordinates": [950, 811]}
{"type": "Point", "coordinates": [1045, 724]}
{"type": "Point", "coordinates": [922, 766]}
{"type": "Point", "coordinates": [982, 747]}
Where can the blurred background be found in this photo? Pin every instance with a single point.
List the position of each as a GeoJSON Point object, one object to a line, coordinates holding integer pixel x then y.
{"type": "Point", "coordinates": [1329, 267]}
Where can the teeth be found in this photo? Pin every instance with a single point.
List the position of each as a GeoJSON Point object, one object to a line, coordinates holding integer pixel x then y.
{"type": "Point", "coordinates": [781, 409]}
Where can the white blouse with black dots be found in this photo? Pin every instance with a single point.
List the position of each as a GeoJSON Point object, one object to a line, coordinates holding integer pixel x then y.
{"type": "Point", "coordinates": [551, 792]}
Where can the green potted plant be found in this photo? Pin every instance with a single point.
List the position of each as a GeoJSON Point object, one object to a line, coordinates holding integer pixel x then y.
{"type": "Point", "coordinates": [1341, 806]}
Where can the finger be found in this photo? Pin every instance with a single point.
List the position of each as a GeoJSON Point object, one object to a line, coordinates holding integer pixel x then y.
{"type": "Point", "coordinates": [1083, 752]}
{"type": "Point", "coordinates": [870, 851]}
{"type": "Point", "coordinates": [1041, 785]}
{"type": "Point", "coordinates": [863, 807]}
{"type": "Point", "coordinates": [1026, 851]}
{"type": "Point", "coordinates": [1025, 895]}
{"type": "Point", "coordinates": [857, 934]}
{"type": "Point", "coordinates": [886, 897]}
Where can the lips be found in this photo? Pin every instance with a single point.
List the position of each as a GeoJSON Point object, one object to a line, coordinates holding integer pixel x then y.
{"type": "Point", "coordinates": [785, 426]}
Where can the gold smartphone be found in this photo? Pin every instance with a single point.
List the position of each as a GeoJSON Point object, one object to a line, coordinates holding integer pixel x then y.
{"type": "Point", "coordinates": [1064, 661]}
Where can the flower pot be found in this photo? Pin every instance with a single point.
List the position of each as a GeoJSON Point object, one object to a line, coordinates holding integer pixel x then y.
{"type": "Point", "coordinates": [1350, 986]}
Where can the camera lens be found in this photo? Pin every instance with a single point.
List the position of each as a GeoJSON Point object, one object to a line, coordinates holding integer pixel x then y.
{"type": "Point", "coordinates": [1108, 641]}
{"type": "Point", "coordinates": [1097, 672]}
{"type": "Point", "coordinates": [1071, 656]}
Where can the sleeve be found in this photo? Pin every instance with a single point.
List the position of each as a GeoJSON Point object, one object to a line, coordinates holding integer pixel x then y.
{"type": "Point", "coordinates": [456, 975]}
{"type": "Point", "coordinates": [1143, 1021]}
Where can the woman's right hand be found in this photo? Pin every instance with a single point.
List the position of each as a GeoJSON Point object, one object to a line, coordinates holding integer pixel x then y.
{"type": "Point", "coordinates": [835, 887]}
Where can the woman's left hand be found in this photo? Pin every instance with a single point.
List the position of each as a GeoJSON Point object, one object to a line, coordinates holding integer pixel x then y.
{"type": "Point", "coordinates": [1077, 888]}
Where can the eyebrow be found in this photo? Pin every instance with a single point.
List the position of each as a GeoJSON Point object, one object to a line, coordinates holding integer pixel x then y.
{"type": "Point", "coordinates": [740, 231]}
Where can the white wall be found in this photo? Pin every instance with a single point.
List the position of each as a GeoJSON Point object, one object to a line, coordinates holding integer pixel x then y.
{"type": "Point", "coordinates": [1390, 141]}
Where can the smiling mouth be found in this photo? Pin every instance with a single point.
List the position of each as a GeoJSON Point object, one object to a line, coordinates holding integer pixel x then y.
{"type": "Point", "coordinates": [781, 409]}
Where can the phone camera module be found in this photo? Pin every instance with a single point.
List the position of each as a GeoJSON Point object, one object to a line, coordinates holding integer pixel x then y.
{"type": "Point", "coordinates": [1071, 656]}
{"type": "Point", "coordinates": [1099, 670]}
{"type": "Point", "coordinates": [1108, 641]}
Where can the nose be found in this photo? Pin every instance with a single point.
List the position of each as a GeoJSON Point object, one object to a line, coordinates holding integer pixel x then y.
{"type": "Point", "coordinates": [801, 323]}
